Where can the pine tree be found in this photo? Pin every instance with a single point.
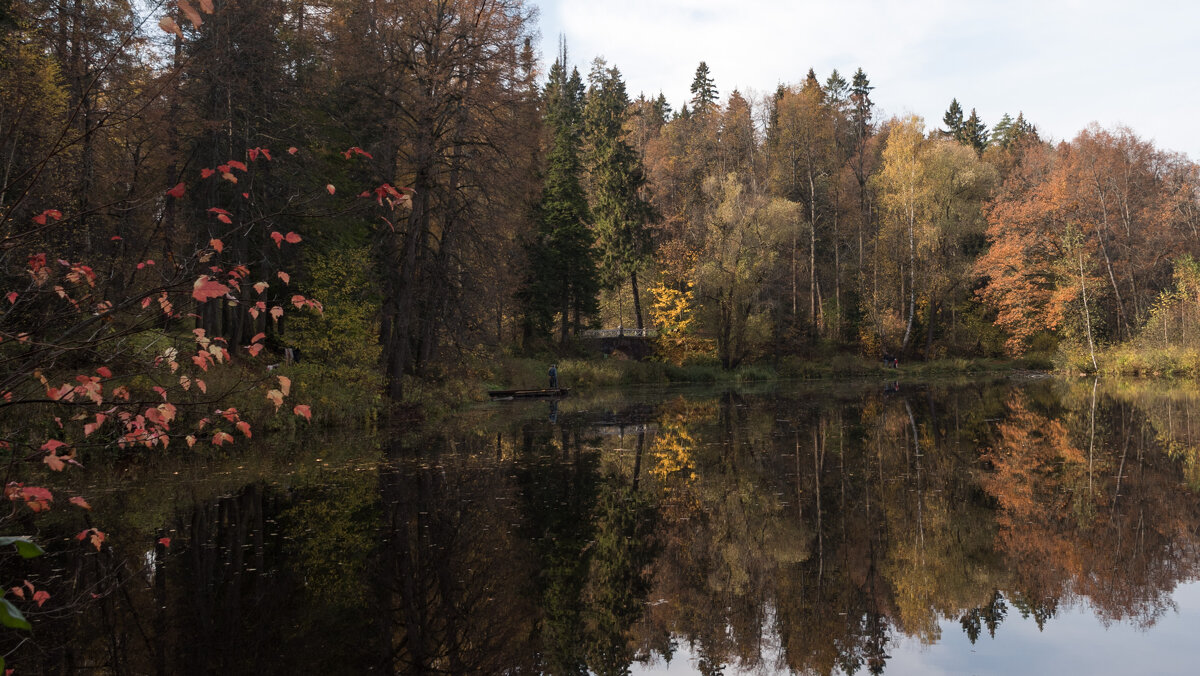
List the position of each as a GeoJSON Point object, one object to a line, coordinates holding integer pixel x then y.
{"type": "Point", "coordinates": [1002, 132]}
{"type": "Point", "coordinates": [661, 108]}
{"type": "Point", "coordinates": [975, 132]}
{"type": "Point", "coordinates": [837, 90]}
{"type": "Point", "coordinates": [860, 97]}
{"type": "Point", "coordinates": [704, 91]}
{"type": "Point", "coordinates": [562, 277]}
{"type": "Point", "coordinates": [616, 185]}
{"type": "Point", "coordinates": [953, 119]}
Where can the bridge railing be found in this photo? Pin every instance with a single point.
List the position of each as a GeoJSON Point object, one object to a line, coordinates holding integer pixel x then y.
{"type": "Point", "coordinates": [619, 333]}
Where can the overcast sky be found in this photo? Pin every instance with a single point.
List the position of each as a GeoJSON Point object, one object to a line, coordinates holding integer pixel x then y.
{"type": "Point", "coordinates": [1065, 63]}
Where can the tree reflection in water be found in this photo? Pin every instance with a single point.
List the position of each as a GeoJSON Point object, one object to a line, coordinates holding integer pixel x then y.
{"type": "Point", "coordinates": [798, 530]}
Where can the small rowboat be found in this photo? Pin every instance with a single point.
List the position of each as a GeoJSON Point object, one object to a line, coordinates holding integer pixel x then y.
{"type": "Point", "coordinates": [551, 393]}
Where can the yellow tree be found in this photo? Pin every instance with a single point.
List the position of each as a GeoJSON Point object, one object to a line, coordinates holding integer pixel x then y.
{"type": "Point", "coordinates": [802, 153]}
{"type": "Point", "coordinates": [737, 257]}
{"type": "Point", "coordinates": [932, 192]}
{"type": "Point", "coordinates": [902, 195]}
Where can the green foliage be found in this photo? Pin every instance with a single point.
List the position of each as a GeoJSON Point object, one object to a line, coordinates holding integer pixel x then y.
{"type": "Point", "coordinates": [11, 617]}
{"type": "Point", "coordinates": [704, 91]}
{"type": "Point", "coordinates": [615, 180]}
{"type": "Point", "coordinates": [346, 334]}
{"type": "Point", "coordinates": [561, 271]}
{"type": "Point", "coordinates": [24, 546]}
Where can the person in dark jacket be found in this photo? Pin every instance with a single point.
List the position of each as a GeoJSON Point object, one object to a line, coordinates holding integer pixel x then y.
{"type": "Point", "coordinates": [553, 377]}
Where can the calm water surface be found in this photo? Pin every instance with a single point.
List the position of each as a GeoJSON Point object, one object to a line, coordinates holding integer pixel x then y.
{"type": "Point", "coordinates": [1015, 526]}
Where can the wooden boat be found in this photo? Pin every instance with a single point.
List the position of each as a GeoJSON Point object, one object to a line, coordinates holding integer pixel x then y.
{"type": "Point", "coordinates": [550, 393]}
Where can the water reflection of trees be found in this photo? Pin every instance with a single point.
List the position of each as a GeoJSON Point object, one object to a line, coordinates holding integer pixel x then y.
{"type": "Point", "coordinates": [902, 512]}
{"type": "Point", "coordinates": [798, 532]}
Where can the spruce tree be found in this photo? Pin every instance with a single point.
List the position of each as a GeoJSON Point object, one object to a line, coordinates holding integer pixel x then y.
{"type": "Point", "coordinates": [860, 97]}
{"type": "Point", "coordinates": [1002, 132]}
{"type": "Point", "coordinates": [953, 119]}
{"type": "Point", "coordinates": [662, 109]}
{"type": "Point", "coordinates": [704, 91]}
{"type": "Point", "coordinates": [837, 90]}
{"type": "Point", "coordinates": [616, 181]}
{"type": "Point", "coordinates": [975, 132]}
{"type": "Point", "coordinates": [562, 277]}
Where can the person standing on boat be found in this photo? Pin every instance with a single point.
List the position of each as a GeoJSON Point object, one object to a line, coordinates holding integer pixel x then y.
{"type": "Point", "coordinates": [553, 377]}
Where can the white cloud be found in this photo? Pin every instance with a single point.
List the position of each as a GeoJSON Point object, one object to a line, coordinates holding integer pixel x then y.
{"type": "Point", "coordinates": [1063, 62]}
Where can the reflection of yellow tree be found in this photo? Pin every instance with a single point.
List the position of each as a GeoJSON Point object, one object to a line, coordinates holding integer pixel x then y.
{"type": "Point", "coordinates": [671, 454]}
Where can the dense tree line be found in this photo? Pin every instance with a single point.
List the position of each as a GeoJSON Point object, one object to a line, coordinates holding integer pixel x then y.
{"type": "Point", "coordinates": [470, 200]}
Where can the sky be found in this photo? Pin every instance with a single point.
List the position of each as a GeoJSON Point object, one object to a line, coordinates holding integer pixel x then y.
{"type": "Point", "coordinates": [1064, 63]}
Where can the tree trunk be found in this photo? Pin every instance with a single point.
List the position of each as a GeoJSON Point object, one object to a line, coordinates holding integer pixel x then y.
{"type": "Point", "coordinates": [637, 300]}
{"type": "Point", "coordinates": [912, 278]}
{"type": "Point", "coordinates": [1087, 316]}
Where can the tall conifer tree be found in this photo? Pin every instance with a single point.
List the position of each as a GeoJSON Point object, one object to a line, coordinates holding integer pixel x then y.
{"type": "Point", "coordinates": [562, 276]}
{"type": "Point", "coordinates": [704, 91]}
{"type": "Point", "coordinates": [616, 182]}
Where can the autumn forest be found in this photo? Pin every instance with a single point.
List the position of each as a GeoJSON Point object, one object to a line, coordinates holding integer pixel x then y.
{"type": "Point", "coordinates": [454, 197]}
{"type": "Point", "coordinates": [261, 262]}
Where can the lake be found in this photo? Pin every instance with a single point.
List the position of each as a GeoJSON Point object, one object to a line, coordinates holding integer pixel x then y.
{"type": "Point", "coordinates": [1014, 525]}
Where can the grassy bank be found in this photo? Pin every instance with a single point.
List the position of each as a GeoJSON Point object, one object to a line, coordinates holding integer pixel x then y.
{"type": "Point", "coordinates": [590, 373]}
{"type": "Point", "coordinates": [1131, 360]}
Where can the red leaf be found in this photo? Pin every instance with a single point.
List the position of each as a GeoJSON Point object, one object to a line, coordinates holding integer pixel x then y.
{"type": "Point", "coordinates": [177, 191]}
{"type": "Point", "coordinates": [293, 150]}
{"type": "Point", "coordinates": [12, 297]}
{"type": "Point", "coordinates": [207, 288]}
{"type": "Point", "coordinates": [41, 597]}
{"type": "Point", "coordinates": [284, 276]}
{"type": "Point", "coordinates": [217, 244]}
{"type": "Point", "coordinates": [329, 187]}
{"type": "Point", "coordinates": [206, 6]}
{"type": "Point", "coordinates": [104, 372]}
{"type": "Point", "coordinates": [292, 238]}
{"type": "Point", "coordinates": [302, 409]}
{"type": "Point", "coordinates": [54, 462]}
{"type": "Point", "coordinates": [166, 542]}
{"type": "Point", "coordinates": [278, 238]}
{"type": "Point", "coordinates": [206, 172]}
{"type": "Point", "coordinates": [244, 428]}
{"type": "Point", "coordinates": [254, 349]}
{"type": "Point", "coordinates": [18, 592]}
{"type": "Point", "coordinates": [235, 164]}
{"type": "Point", "coordinates": [79, 502]}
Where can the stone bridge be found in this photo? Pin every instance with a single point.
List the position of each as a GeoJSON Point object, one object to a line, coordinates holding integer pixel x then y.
{"type": "Point", "coordinates": [637, 343]}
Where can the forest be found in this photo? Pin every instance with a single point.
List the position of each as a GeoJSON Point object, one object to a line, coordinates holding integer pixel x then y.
{"type": "Point", "coordinates": [225, 220]}
{"type": "Point", "coordinates": [420, 195]}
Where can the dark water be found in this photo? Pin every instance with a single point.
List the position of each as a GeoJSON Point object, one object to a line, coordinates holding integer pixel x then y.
{"type": "Point", "coordinates": [1020, 526]}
